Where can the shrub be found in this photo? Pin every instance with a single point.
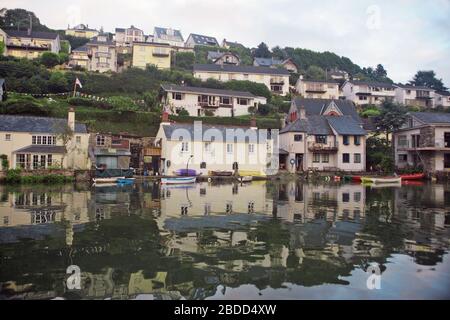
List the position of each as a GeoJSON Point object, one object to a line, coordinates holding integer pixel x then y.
{"type": "Point", "coordinates": [49, 59]}
{"type": "Point", "coordinates": [13, 176]}
{"type": "Point", "coordinates": [5, 163]}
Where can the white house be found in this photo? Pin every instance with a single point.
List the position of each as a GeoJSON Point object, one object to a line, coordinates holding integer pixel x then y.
{"type": "Point", "coordinates": [318, 89]}
{"type": "Point", "coordinates": [323, 135]}
{"type": "Point", "coordinates": [220, 58]}
{"type": "Point", "coordinates": [169, 36]}
{"type": "Point", "coordinates": [201, 40]}
{"type": "Point", "coordinates": [126, 36]}
{"type": "Point", "coordinates": [203, 101]}
{"type": "Point", "coordinates": [368, 92]}
{"type": "Point", "coordinates": [442, 98]}
{"type": "Point", "coordinates": [415, 96]}
{"type": "Point", "coordinates": [206, 148]}
{"type": "Point", "coordinates": [277, 80]}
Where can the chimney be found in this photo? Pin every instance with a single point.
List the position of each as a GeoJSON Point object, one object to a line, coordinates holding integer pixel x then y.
{"type": "Point", "coordinates": [71, 119]}
{"type": "Point", "coordinates": [165, 118]}
{"type": "Point", "coordinates": [253, 124]}
{"type": "Point", "coordinates": [302, 112]}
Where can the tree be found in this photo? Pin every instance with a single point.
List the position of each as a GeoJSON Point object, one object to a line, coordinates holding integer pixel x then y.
{"type": "Point", "coordinates": [392, 117]}
{"type": "Point", "coordinates": [258, 89]}
{"type": "Point", "coordinates": [184, 60]}
{"type": "Point", "coordinates": [380, 72]}
{"type": "Point", "coordinates": [151, 101]}
{"type": "Point", "coordinates": [428, 79]}
{"type": "Point", "coordinates": [57, 83]}
{"type": "Point", "coordinates": [315, 73]}
{"type": "Point", "coordinates": [262, 51]}
{"type": "Point", "coordinates": [378, 154]}
{"type": "Point", "coordinates": [121, 104]}
{"type": "Point", "coordinates": [49, 59]}
{"type": "Point", "coordinates": [63, 58]}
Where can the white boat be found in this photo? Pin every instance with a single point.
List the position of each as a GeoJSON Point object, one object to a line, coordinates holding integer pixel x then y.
{"type": "Point", "coordinates": [386, 180]}
{"type": "Point", "coordinates": [180, 180]}
{"type": "Point", "coordinates": [245, 179]}
{"type": "Point", "coordinates": [107, 180]}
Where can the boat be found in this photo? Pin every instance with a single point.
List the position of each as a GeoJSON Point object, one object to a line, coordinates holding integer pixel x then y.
{"type": "Point", "coordinates": [381, 180]}
{"type": "Point", "coordinates": [222, 173]}
{"type": "Point", "coordinates": [415, 176]}
{"type": "Point", "coordinates": [107, 180]}
{"type": "Point", "coordinates": [187, 180]}
{"type": "Point", "coordinates": [356, 178]}
{"type": "Point", "coordinates": [186, 173]}
{"type": "Point", "coordinates": [385, 185]}
{"type": "Point", "coordinates": [126, 181]}
{"type": "Point", "coordinates": [245, 179]}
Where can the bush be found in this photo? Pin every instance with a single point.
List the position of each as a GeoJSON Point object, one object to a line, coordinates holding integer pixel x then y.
{"type": "Point", "coordinates": [5, 162]}
{"type": "Point", "coordinates": [13, 176]}
{"type": "Point", "coordinates": [184, 60]}
{"type": "Point", "coordinates": [49, 59]}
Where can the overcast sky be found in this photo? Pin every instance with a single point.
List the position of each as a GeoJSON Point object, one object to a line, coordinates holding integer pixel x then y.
{"type": "Point", "coordinates": [403, 35]}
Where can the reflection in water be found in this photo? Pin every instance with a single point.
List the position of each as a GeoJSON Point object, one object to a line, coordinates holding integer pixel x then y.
{"type": "Point", "coordinates": [260, 241]}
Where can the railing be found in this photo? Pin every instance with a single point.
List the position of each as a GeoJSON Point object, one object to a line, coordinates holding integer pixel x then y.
{"type": "Point", "coordinates": [103, 55]}
{"type": "Point", "coordinates": [330, 146]}
{"type": "Point", "coordinates": [439, 143]}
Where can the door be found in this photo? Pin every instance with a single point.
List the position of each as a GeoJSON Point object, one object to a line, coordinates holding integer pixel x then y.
{"type": "Point", "coordinates": [447, 161]}
{"type": "Point", "coordinates": [299, 162]}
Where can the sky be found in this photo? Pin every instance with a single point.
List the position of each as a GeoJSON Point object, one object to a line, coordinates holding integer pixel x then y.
{"type": "Point", "coordinates": [403, 35]}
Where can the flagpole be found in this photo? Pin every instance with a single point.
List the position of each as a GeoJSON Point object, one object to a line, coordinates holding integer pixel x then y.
{"type": "Point", "coordinates": [75, 88]}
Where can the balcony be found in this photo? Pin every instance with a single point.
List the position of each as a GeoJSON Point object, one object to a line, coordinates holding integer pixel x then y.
{"type": "Point", "coordinates": [277, 81]}
{"type": "Point", "coordinates": [323, 147]}
{"type": "Point", "coordinates": [438, 145]}
{"type": "Point", "coordinates": [27, 46]}
{"type": "Point", "coordinates": [103, 55]}
{"type": "Point", "coordinates": [161, 54]}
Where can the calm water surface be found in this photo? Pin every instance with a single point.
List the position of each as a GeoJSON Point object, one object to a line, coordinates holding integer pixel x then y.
{"type": "Point", "coordinates": [265, 240]}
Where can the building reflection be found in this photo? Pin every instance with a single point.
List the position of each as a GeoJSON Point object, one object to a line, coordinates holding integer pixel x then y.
{"type": "Point", "coordinates": [148, 241]}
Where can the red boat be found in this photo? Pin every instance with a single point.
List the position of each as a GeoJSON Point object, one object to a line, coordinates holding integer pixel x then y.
{"type": "Point", "coordinates": [416, 176]}
{"type": "Point", "coordinates": [356, 178]}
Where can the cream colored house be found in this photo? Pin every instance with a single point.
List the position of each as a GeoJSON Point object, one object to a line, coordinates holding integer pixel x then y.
{"type": "Point", "coordinates": [29, 44]}
{"type": "Point", "coordinates": [442, 98]}
{"type": "Point", "coordinates": [415, 96]}
{"type": "Point", "coordinates": [34, 143]}
{"type": "Point", "coordinates": [203, 101]}
{"type": "Point", "coordinates": [323, 135]}
{"type": "Point", "coordinates": [367, 92]}
{"type": "Point", "coordinates": [168, 36]}
{"type": "Point", "coordinates": [277, 80]}
{"type": "Point", "coordinates": [287, 64]}
{"type": "Point", "coordinates": [201, 40]}
{"type": "Point", "coordinates": [220, 58]}
{"type": "Point", "coordinates": [125, 37]}
{"type": "Point", "coordinates": [424, 141]}
{"type": "Point", "coordinates": [206, 148]}
{"type": "Point", "coordinates": [82, 31]}
{"type": "Point", "coordinates": [103, 54]}
{"type": "Point", "coordinates": [318, 89]}
{"type": "Point", "coordinates": [80, 57]}
{"type": "Point", "coordinates": [151, 53]}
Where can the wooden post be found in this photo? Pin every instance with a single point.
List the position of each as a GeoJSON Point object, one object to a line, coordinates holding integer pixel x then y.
{"type": "Point", "coordinates": [75, 88]}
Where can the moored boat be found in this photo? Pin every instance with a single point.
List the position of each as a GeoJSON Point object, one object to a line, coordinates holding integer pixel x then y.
{"type": "Point", "coordinates": [356, 178]}
{"type": "Point", "coordinates": [186, 173]}
{"type": "Point", "coordinates": [222, 173]}
{"type": "Point", "coordinates": [180, 180]}
{"type": "Point", "coordinates": [415, 176]}
{"type": "Point", "coordinates": [106, 180]}
{"type": "Point", "coordinates": [126, 181]}
{"type": "Point", "coordinates": [245, 179]}
{"type": "Point", "coordinates": [382, 180]}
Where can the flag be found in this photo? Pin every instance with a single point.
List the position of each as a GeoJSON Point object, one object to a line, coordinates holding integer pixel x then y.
{"type": "Point", "coordinates": [78, 83]}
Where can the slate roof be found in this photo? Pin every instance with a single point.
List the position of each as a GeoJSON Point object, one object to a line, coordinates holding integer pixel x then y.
{"type": "Point", "coordinates": [9, 123]}
{"type": "Point", "coordinates": [214, 55]}
{"type": "Point", "coordinates": [321, 81]}
{"type": "Point", "coordinates": [323, 125]}
{"type": "Point", "coordinates": [81, 49]}
{"type": "Point", "coordinates": [432, 117]}
{"type": "Point", "coordinates": [120, 30]}
{"type": "Point", "coordinates": [34, 34]}
{"type": "Point", "coordinates": [163, 31]}
{"type": "Point", "coordinates": [374, 84]}
{"type": "Point", "coordinates": [240, 69]}
{"type": "Point", "coordinates": [267, 62]}
{"type": "Point", "coordinates": [218, 92]}
{"type": "Point", "coordinates": [204, 40]}
{"type": "Point", "coordinates": [94, 42]}
{"type": "Point", "coordinates": [411, 87]}
{"type": "Point", "coordinates": [43, 149]}
{"type": "Point", "coordinates": [216, 131]}
{"type": "Point", "coordinates": [346, 125]}
{"type": "Point", "coordinates": [318, 106]}
{"type": "Point", "coordinates": [443, 93]}
{"type": "Point", "coordinates": [82, 27]}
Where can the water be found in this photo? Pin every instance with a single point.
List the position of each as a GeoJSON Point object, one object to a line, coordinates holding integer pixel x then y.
{"type": "Point", "coordinates": [265, 240]}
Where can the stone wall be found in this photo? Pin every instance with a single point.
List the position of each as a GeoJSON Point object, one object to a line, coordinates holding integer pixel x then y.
{"type": "Point", "coordinates": [427, 137]}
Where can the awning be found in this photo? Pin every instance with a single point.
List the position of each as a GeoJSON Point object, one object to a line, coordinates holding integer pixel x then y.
{"type": "Point", "coordinates": [42, 149]}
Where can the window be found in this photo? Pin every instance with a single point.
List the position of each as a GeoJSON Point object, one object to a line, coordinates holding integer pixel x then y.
{"type": "Point", "coordinates": [357, 158]}
{"type": "Point", "coordinates": [44, 140]}
{"type": "Point", "coordinates": [39, 140]}
{"type": "Point", "coordinates": [362, 98]}
{"type": "Point", "coordinates": [298, 138]}
{"type": "Point", "coordinates": [225, 101]}
{"type": "Point", "coordinates": [203, 165]}
{"type": "Point", "coordinates": [346, 140]}
{"type": "Point", "coordinates": [20, 161]}
{"type": "Point", "coordinates": [229, 148]}
{"type": "Point", "coordinates": [185, 147]}
{"type": "Point", "coordinates": [35, 161]}
{"type": "Point", "coordinates": [357, 140]}
{"type": "Point", "coordinates": [49, 160]}
{"type": "Point", "coordinates": [357, 197]}
{"type": "Point", "coordinates": [251, 148]}
{"type": "Point", "coordinates": [43, 161]}
{"type": "Point", "coordinates": [184, 211]}
{"type": "Point", "coordinates": [8, 137]}
{"type": "Point", "coordinates": [242, 102]}
{"type": "Point", "coordinates": [346, 197]}
{"type": "Point", "coordinates": [321, 139]}
{"type": "Point", "coordinates": [276, 88]}
{"type": "Point", "coordinates": [78, 139]}
{"type": "Point", "coordinates": [33, 140]}
{"type": "Point", "coordinates": [403, 158]}
{"type": "Point", "coordinates": [325, 158]}
{"type": "Point", "coordinates": [251, 207]}
{"type": "Point", "coordinates": [346, 158]}
{"type": "Point", "coordinates": [316, 157]}
{"type": "Point", "coordinates": [177, 96]}
{"type": "Point", "coordinates": [402, 141]}
{"type": "Point", "coordinates": [207, 146]}
{"type": "Point", "coordinates": [101, 140]}
{"type": "Point", "coordinates": [54, 140]}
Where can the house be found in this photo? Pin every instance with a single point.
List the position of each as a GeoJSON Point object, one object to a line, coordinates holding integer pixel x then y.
{"type": "Point", "coordinates": [29, 44]}
{"type": "Point", "coordinates": [36, 143]}
{"type": "Point", "coordinates": [169, 36]}
{"type": "Point", "coordinates": [217, 57]}
{"type": "Point", "coordinates": [2, 90]}
{"type": "Point", "coordinates": [410, 95]}
{"type": "Point", "coordinates": [318, 89]}
{"type": "Point", "coordinates": [323, 135]}
{"type": "Point", "coordinates": [82, 31]}
{"type": "Point", "coordinates": [151, 53]}
{"type": "Point", "coordinates": [80, 58]}
{"type": "Point", "coordinates": [201, 40]}
{"type": "Point", "coordinates": [110, 151]}
{"type": "Point", "coordinates": [424, 141]}
{"type": "Point", "coordinates": [288, 64]}
{"type": "Point", "coordinates": [103, 54]}
{"type": "Point", "coordinates": [368, 92]}
{"type": "Point", "coordinates": [125, 37]}
{"type": "Point", "coordinates": [205, 148]}
{"type": "Point", "coordinates": [277, 80]}
{"type": "Point", "coordinates": [336, 74]}
{"type": "Point", "coordinates": [442, 98]}
{"type": "Point", "coordinates": [205, 101]}
{"type": "Point", "coordinates": [228, 45]}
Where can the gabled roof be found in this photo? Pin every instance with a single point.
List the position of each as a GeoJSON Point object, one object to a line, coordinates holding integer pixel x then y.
{"type": "Point", "coordinates": [268, 62]}
{"type": "Point", "coordinates": [9, 123]}
{"type": "Point", "coordinates": [240, 69]}
{"type": "Point", "coordinates": [217, 92]}
{"type": "Point", "coordinates": [346, 125]}
{"type": "Point", "coordinates": [95, 42]}
{"type": "Point", "coordinates": [432, 117]}
{"type": "Point", "coordinates": [373, 84]}
{"type": "Point", "coordinates": [215, 55]}
{"type": "Point", "coordinates": [232, 44]}
{"type": "Point", "coordinates": [81, 49]}
{"type": "Point", "coordinates": [163, 31]}
{"type": "Point", "coordinates": [204, 40]}
{"type": "Point", "coordinates": [318, 106]}
{"type": "Point", "coordinates": [323, 125]}
{"type": "Point", "coordinates": [411, 87]}
{"type": "Point", "coordinates": [34, 34]}
{"type": "Point", "coordinates": [443, 93]}
{"type": "Point", "coordinates": [82, 27]}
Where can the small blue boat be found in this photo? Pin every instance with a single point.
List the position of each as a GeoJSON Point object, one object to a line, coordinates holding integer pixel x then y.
{"type": "Point", "coordinates": [126, 181]}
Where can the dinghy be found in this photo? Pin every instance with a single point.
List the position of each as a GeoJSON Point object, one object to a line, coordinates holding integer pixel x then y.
{"type": "Point", "coordinates": [415, 176]}
{"type": "Point", "coordinates": [221, 173]}
{"type": "Point", "coordinates": [107, 180]}
{"type": "Point", "coordinates": [382, 180]}
{"type": "Point", "coordinates": [187, 180]}
{"type": "Point", "coordinates": [245, 179]}
{"type": "Point", "coordinates": [126, 181]}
